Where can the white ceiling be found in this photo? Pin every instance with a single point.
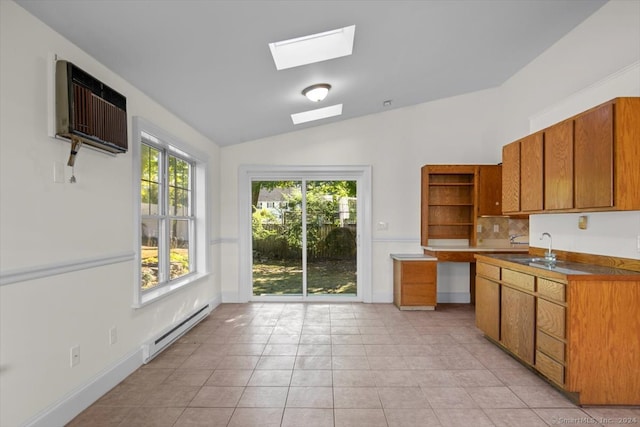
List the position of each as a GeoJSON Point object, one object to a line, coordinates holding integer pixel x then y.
{"type": "Point", "coordinates": [208, 61]}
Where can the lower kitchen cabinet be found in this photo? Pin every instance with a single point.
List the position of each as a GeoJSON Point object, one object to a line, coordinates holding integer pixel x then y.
{"type": "Point", "coordinates": [415, 282]}
{"type": "Point", "coordinates": [580, 331]}
{"type": "Point", "coordinates": [518, 323]}
{"type": "Point", "coordinates": [488, 307]}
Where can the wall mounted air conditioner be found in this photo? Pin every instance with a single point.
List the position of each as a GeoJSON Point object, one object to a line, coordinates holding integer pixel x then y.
{"type": "Point", "coordinates": [89, 110]}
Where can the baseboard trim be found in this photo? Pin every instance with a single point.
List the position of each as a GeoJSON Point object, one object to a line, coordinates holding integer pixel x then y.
{"type": "Point", "coordinates": [67, 408]}
{"type": "Point", "coordinates": [454, 297]}
{"type": "Point", "coordinates": [382, 297]}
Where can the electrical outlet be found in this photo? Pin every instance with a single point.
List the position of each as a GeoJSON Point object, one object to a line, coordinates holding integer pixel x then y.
{"type": "Point", "coordinates": [74, 354]}
{"type": "Point", "coordinates": [496, 228]}
{"type": "Point", "coordinates": [113, 335]}
{"type": "Point", "coordinates": [479, 228]}
{"type": "Point", "coordinates": [582, 222]}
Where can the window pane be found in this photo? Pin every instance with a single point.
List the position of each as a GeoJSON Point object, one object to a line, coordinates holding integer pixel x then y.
{"type": "Point", "coordinates": [149, 186]}
{"type": "Point", "coordinates": [179, 187]}
{"type": "Point", "coordinates": [180, 250]}
{"type": "Point", "coordinates": [178, 172]}
{"type": "Point", "coordinates": [149, 163]}
{"type": "Point", "coordinates": [149, 253]}
{"type": "Point", "coordinates": [149, 198]}
{"type": "Point", "coordinates": [178, 202]}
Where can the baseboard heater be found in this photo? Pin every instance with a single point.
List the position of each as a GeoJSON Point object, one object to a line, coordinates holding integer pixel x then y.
{"type": "Point", "coordinates": [165, 338]}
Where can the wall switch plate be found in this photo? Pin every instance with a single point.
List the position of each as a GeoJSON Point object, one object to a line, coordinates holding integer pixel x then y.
{"type": "Point", "coordinates": [496, 228]}
{"type": "Point", "coordinates": [382, 226]}
{"type": "Point", "coordinates": [479, 228]}
{"type": "Point", "coordinates": [74, 354]}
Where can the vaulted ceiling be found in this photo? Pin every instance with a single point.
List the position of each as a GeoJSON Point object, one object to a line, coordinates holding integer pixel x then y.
{"type": "Point", "coordinates": [208, 61]}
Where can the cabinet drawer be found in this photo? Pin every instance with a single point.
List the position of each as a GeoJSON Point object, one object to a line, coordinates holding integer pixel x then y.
{"type": "Point", "coordinates": [419, 294]}
{"type": "Point", "coordinates": [521, 280]}
{"type": "Point", "coordinates": [487, 270]}
{"type": "Point", "coordinates": [550, 346]}
{"type": "Point", "coordinates": [419, 271]}
{"type": "Point", "coordinates": [552, 290]}
{"type": "Point", "coordinates": [551, 318]}
{"type": "Point", "coordinates": [550, 368]}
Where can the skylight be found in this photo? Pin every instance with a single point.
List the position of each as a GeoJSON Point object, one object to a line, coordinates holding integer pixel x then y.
{"type": "Point", "coordinates": [313, 48]}
{"type": "Point", "coordinates": [318, 114]}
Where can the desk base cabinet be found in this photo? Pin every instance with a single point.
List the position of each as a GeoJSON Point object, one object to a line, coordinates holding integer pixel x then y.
{"type": "Point", "coordinates": [415, 284]}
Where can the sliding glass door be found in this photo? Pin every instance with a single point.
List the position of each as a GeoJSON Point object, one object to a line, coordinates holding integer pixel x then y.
{"type": "Point", "coordinates": [304, 238]}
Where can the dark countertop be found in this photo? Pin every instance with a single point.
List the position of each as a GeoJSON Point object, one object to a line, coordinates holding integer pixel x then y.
{"type": "Point", "coordinates": [561, 268]}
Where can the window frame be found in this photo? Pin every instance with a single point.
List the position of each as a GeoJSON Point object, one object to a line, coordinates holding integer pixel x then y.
{"type": "Point", "coordinates": [199, 231]}
{"type": "Point", "coordinates": [249, 173]}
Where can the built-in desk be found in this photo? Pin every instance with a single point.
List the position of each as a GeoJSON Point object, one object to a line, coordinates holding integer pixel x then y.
{"type": "Point", "coordinates": [463, 252]}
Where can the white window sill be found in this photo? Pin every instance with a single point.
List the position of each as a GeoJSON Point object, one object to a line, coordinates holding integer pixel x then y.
{"type": "Point", "coordinates": [146, 298]}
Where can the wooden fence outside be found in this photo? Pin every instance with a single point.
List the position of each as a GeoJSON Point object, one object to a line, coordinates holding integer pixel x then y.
{"type": "Point", "coordinates": [334, 242]}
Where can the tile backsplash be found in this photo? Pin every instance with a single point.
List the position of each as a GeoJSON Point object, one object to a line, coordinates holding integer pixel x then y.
{"type": "Point", "coordinates": [505, 227]}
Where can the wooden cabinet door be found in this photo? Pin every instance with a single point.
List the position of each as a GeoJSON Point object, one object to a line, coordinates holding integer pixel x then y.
{"type": "Point", "coordinates": [489, 199]}
{"type": "Point", "coordinates": [517, 320]}
{"type": "Point", "coordinates": [531, 173]}
{"type": "Point", "coordinates": [594, 158]}
{"type": "Point", "coordinates": [488, 307]}
{"type": "Point", "coordinates": [511, 177]}
{"type": "Point", "coordinates": [558, 166]}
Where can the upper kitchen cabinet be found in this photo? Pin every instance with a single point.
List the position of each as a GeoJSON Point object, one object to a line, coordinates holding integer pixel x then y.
{"type": "Point", "coordinates": [531, 173]}
{"type": "Point", "coordinates": [522, 175]}
{"type": "Point", "coordinates": [511, 178]}
{"type": "Point", "coordinates": [448, 204]}
{"type": "Point", "coordinates": [589, 162]}
{"type": "Point", "coordinates": [453, 196]}
{"type": "Point", "coordinates": [594, 162]}
{"type": "Point", "coordinates": [489, 190]}
{"type": "Point", "coordinates": [558, 166]}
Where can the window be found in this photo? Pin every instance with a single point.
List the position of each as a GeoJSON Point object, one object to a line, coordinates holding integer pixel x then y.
{"type": "Point", "coordinates": [171, 214]}
{"type": "Point", "coordinates": [166, 216]}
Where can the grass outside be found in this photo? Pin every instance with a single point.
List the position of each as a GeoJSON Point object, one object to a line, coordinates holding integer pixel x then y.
{"type": "Point", "coordinates": [285, 277]}
{"type": "Point", "coordinates": [179, 260]}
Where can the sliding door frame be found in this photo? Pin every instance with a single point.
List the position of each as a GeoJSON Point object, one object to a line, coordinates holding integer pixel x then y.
{"type": "Point", "coordinates": [361, 174]}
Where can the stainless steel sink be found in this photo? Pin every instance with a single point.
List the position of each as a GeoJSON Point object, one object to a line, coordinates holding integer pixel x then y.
{"type": "Point", "coordinates": [552, 266]}
{"type": "Point", "coordinates": [556, 265]}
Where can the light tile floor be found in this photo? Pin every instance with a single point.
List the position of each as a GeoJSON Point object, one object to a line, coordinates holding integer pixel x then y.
{"type": "Point", "coordinates": [294, 364]}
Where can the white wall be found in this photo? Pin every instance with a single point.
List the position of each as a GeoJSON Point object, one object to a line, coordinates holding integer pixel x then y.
{"type": "Point", "coordinates": [596, 62]}
{"type": "Point", "coordinates": [47, 225]}
{"type": "Point", "coordinates": [470, 128]}
{"type": "Point", "coordinates": [396, 144]}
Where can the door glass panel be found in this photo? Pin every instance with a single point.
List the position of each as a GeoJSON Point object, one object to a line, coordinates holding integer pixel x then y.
{"type": "Point", "coordinates": [331, 237]}
{"type": "Point", "coordinates": [277, 237]}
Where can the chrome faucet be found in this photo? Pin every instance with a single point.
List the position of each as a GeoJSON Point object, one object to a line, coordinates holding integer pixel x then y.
{"type": "Point", "coordinates": [549, 256]}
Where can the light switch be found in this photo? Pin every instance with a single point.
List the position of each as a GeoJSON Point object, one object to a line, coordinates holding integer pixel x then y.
{"type": "Point", "coordinates": [382, 226]}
